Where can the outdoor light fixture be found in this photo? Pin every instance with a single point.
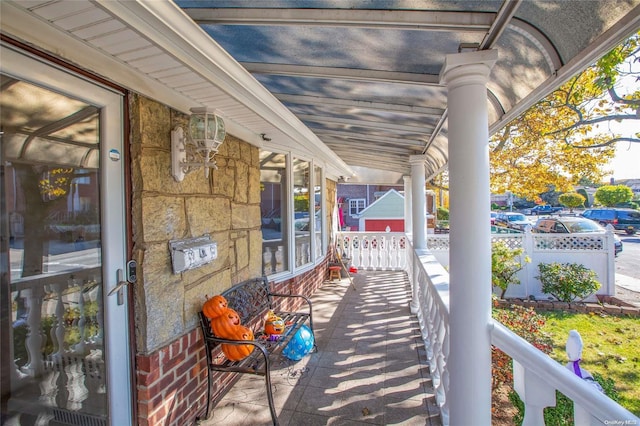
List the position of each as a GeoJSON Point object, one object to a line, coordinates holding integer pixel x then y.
{"type": "Point", "coordinates": [197, 148]}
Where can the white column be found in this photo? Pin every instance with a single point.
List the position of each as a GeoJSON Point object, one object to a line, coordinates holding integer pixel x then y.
{"type": "Point", "coordinates": [469, 366]}
{"type": "Point", "coordinates": [408, 227]}
{"type": "Point", "coordinates": [418, 208]}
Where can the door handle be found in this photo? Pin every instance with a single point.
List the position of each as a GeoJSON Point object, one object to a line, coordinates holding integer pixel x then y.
{"type": "Point", "coordinates": [119, 288]}
{"type": "Point", "coordinates": [131, 278]}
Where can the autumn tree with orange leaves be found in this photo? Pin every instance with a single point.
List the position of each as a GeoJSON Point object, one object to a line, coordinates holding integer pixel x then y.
{"type": "Point", "coordinates": [567, 136]}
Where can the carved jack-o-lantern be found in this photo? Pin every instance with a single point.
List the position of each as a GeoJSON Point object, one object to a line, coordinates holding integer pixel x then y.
{"type": "Point", "coordinates": [238, 352]}
{"type": "Point", "coordinates": [214, 306]}
{"type": "Point", "coordinates": [273, 325]}
{"type": "Point", "coordinates": [224, 324]}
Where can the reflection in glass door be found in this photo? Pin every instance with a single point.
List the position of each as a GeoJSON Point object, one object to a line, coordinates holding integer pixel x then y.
{"type": "Point", "coordinates": [54, 336]}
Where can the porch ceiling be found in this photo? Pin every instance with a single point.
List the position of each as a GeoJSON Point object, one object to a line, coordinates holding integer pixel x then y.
{"type": "Point", "coordinates": [354, 84]}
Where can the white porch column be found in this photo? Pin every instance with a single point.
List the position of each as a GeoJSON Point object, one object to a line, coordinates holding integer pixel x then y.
{"type": "Point", "coordinates": [408, 227]}
{"type": "Point", "coordinates": [418, 200]}
{"type": "Point", "coordinates": [469, 366]}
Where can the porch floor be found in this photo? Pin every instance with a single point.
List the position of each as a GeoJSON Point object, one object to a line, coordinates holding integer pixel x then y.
{"type": "Point", "coordinates": [370, 367]}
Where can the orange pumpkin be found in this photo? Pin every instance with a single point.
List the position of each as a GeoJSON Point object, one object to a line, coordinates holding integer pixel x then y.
{"type": "Point", "coordinates": [224, 324]}
{"type": "Point", "coordinates": [273, 325]}
{"type": "Point", "coordinates": [214, 306]}
{"type": "Point", "coordinates": [239, 352]}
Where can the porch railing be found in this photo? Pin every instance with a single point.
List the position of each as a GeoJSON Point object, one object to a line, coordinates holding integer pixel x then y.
{"type": "Point", "coordinates": [534, 371]}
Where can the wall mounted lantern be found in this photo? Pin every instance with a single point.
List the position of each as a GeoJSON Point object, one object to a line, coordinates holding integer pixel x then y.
{"type": "Point", "coordinates": [197, 148]}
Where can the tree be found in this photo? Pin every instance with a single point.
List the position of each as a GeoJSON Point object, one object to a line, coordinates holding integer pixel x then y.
{"type": "Point", "coordinates": [610, 195]}
{"type": "Point", "coordinates": [599, 96]}
{"type": "Point", "coordinates": [583, 192]}
{"type": "Point", "coordinates": [572, 200]}
{"type": "Point", "coordinates": [566, 137]}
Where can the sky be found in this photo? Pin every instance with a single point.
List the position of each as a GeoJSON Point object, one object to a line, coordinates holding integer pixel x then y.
{"type": "Point", "coordinates": [626, 164]}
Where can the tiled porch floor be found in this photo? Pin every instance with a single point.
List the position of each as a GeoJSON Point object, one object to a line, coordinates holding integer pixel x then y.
{"type": "Point", "coordinates": [370, 367]}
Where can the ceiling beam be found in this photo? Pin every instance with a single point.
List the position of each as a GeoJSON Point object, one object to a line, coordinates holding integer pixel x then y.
{"type": "Point", "coordinates": [364, 137]}
{"type": "Point", "coordinates": [422, 20]}
{"type": "Point", "coordinates": [381, 125]}
{"type": "Point", "coordinates": [337, 144]}
{"type": "Point", "coordinates": [352, 74]}
{"type": "Point", "coordinates": [354, 103]}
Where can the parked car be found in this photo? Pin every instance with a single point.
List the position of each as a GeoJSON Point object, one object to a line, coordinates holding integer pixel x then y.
{"type": "Point", "coordinates": [512, 220]}
{"type": "Point", "coordinates": [573, 225]}
{"type": "Point", "coordinates": [493, 218]}
{"type": "Point", "coordinates": [627, 220]}
{"type": "Point", "coordinates": [546, 209]}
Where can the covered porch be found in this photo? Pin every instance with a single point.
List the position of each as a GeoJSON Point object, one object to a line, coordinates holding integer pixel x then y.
{"type": "Point", "coordinates": [370, 368]}
{"type": "Point", "coordinates": [409, 93]}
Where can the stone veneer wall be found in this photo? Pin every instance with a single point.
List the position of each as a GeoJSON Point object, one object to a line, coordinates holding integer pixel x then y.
{"type": "Point", "coordinates": [170, 360]}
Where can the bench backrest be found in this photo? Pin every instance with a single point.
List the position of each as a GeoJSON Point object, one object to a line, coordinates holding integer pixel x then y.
{"type": "Point", "coordinates": [249, 298]}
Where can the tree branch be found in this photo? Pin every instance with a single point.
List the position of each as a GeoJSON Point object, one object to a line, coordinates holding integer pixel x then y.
{"type": "Point", "coordinates": [603, 144]}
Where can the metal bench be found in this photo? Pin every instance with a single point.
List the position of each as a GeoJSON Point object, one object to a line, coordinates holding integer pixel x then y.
{"type": "Point", "coordinates": [252, 300]}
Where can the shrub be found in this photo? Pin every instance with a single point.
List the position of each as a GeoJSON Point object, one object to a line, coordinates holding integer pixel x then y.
{"type": "Point", "coordinates": [505, 264]}
{"type": "Point", "coordinates": [567, 281]}
{"type": "Point", "coordinates": [442, 213]}
{"type": "Point", "coordinates": [526, 323]}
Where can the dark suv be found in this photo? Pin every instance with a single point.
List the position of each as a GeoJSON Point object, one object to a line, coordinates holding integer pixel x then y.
{"type": "Point", "coordinates": [622, 219]}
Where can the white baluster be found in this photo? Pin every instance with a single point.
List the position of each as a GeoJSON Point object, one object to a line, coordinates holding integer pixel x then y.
{"type": "Point", "coordinates": [57, 331]}
{"type": "Point", "coordinates": [33, 299]}
{"type": "Point", "coordinates": [534, 392]}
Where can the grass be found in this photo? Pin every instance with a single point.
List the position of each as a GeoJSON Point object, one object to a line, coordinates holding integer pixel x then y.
{"type": "Point", "coordinates": [611, 348]}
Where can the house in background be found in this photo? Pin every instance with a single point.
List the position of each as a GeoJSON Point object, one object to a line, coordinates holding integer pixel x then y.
{"type": "Point", "coordinates": [353, 199]}
{"type": "Point", "coordinates": [386, 211]}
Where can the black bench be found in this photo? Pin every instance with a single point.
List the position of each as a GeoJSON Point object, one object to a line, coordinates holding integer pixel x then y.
{"type": "Point", "coordinates": [252, 300]}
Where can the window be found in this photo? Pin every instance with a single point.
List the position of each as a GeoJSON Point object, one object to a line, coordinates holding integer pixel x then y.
{"type": "Point", "coordinates": [273, 208]}
{"type": "Point", "coordinates": [356, 205]}
{"type": "Point", "coordinates": [291, 205]}
{"type": "Point", "coordinates": [301, 209]}
{"type": "Point", "coordinates": [317, 215]}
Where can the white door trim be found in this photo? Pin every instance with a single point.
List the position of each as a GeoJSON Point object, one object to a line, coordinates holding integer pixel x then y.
{"type": "Point", "coordinates": [37, 71]}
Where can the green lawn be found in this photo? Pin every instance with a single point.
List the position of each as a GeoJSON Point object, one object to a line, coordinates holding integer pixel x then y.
{"type": "Point", "coordinates": [611, 348]}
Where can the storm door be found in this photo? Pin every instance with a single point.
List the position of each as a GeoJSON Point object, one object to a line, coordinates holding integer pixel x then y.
{"type": "Point", "coordinates": [64, 337]}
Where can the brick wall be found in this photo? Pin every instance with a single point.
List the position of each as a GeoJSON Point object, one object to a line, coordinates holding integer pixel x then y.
{"type": "Point", "coordinates": [172, 381]}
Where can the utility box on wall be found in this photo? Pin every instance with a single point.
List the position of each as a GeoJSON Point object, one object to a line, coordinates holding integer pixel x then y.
{"type": "Point", "coordinates": [192, 253]}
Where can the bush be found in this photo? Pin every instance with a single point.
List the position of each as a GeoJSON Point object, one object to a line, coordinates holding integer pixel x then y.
{"type": "Point", "coordinates": [505, 264]}
{"type": "Point", "coordinates": [442, 213]}
{"type": "Point", "coordinates": [567, 281]}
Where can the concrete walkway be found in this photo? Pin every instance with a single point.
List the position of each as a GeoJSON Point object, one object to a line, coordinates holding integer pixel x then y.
{"type": "Point", "coordinates": [370, 367]}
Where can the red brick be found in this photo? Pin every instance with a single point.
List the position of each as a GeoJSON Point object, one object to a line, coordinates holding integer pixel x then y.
{"type": "Point", "coordinates": [169, 364]}
{"type": "Point", "coordinates": [175, 348]}
{"type": "Point", "coordinates": [148, 363]}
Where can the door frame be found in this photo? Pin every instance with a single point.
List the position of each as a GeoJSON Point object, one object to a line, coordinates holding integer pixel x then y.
{"type": "Point", "coordinates": [118, 345]}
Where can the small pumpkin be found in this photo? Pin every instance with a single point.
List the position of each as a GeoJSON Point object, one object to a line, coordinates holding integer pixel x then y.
{"type": "Point", "coordinates": [273, 325]}
{"type": "Point", "coordinates": [239, 352]}
{"type": "Point", "coordinates": [223, 325]}
{"type": "Point", "coordinates": [214, 306]}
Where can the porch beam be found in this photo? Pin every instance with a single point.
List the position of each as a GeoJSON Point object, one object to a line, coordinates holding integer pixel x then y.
{"type": "Point", "coordinates": [469, 365]}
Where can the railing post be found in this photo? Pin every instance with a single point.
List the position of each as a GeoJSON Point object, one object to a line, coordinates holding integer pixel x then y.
{"type": "Point", "coordinates": [611, 261]}
{"type": "Point", "coordinates": [530, 273]}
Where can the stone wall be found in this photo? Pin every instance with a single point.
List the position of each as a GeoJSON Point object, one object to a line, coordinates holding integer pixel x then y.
{"type": "Point", "coordinates": [171, 371]}
{"type": "Point", "coordinates": [226, 205]}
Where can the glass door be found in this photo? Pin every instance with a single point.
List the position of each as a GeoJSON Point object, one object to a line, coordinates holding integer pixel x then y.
{"type": "Point", "coordinates": [65, 351]}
